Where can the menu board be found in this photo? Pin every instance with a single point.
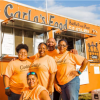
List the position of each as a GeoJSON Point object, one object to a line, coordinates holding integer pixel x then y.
{"type": "Point", "coordinates": [8, 44]}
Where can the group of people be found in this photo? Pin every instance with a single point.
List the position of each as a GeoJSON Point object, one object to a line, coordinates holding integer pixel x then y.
{"type": "Point", "coordinates": [45, 75]}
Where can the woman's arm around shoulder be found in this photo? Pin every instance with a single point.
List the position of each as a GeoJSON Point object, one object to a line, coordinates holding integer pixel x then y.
{"type": "Point", "coordinates": [44, 95]}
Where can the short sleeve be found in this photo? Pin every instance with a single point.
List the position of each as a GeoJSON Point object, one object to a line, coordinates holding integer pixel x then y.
{"type": "Point", "coordinates": [40, 89]}
{"type": "Point", "coordinates": [52, 65]}
{"type": "Point", "coordinates": [78, 59]}
{"type": "Point", "coordinates": [9, 69]}
{"type": "Point", "coordinates": [34, 56]}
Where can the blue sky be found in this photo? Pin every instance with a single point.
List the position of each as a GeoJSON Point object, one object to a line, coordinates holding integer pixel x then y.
{"type": "Point", "coordinates": [84, 10]}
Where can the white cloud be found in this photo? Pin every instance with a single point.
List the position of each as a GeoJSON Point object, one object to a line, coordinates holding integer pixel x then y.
{"type": "Point", "coordinates": [83, 13]}
{"type": "Point", "coordinates": [50, 2]}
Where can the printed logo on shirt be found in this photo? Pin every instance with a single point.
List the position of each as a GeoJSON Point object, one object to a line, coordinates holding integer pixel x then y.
{"type": "Point", "coordinates": [63, 61]}
{"type": "Point", "coordinates": [39, 66]}
{"type": "Point", "coordinates": [36, 65]}
{"type": "Point", "coordinates": [24, 68]}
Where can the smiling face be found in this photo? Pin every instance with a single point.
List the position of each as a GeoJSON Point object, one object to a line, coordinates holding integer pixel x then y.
{"type": "Point", "coordinates": [51, 43]}
{"type": "Point", "coordinates": [32, 81]}
{"type": "Point", "coordinates": [62, 46]}
{"type": "Point", "coordinates": [22, 54]}
{"type": "Point", "coordinates": [42, 50]}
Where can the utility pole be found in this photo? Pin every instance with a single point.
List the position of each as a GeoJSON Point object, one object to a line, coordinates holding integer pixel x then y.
{"type": "Point", "coordinates": [46, 13]}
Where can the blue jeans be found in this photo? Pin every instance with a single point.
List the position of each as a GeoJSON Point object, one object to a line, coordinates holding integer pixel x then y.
{"type": "Point", "coordinates": [14, 96]}
{"type": "Point", "coordinates": [51, 96]}
{"type": "Point", "coordinates": [71, 89]}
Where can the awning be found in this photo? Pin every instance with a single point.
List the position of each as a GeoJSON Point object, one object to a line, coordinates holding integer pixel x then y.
{"type": "Point", "coordinates": [25, 24]}
{"type": "Point", "coordinates": [6, 59]}
{"type": "Point", "coordinates": [74, 34]}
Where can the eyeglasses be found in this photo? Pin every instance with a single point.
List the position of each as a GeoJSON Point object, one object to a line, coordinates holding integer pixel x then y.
{"type": "Point", "coordinates": [31, 73]}
{"type": "Point", "coordinates": [62, 45]}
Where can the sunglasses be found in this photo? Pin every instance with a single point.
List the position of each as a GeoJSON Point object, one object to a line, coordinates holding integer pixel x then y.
{"type": "Point", "coordinates": [31, 73]}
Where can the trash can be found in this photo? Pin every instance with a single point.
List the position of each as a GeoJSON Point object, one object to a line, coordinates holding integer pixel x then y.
{"type": "Point", "coordinates": [96, 94]}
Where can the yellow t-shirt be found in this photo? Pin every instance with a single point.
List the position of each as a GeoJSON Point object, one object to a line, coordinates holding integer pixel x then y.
{"type": "Point", "coordinates": [34, 93]}
{"type": "Point", "coordinates": [17, 72]}
{"type": "Point", "coordinates": [44, 66]}
{"type": "Point", "coordinates": [65, 64]}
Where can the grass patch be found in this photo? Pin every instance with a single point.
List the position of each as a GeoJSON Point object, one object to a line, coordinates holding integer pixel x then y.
{"type": "Point", "coordinates": [85, 96]}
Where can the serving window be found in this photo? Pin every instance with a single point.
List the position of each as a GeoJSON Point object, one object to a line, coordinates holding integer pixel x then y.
{"type": "Point", "coordinates": [11, 37]}
{"type": "Point", "coordinates": [73, 43]}
{"type": "Point", "coordinates": [17, 37]}
{"type": "Point", "coordinates": [7, 41]}
{"type": "Point", "coordinates": [80, 46]}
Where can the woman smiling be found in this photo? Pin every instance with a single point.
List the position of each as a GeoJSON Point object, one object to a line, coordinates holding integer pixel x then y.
{"type": "Point", "coordinates": [45, 67]}
{"type": "Point", "coordinates": [15, 75]}
{"type": "Point", "coordinates": [68, 82]}
{"type": "Point", "coordinates": [34, 91]}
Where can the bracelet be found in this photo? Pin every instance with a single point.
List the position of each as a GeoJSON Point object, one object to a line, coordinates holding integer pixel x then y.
{"type": "Point", "coordinates": [79, 72]}
{"type": "Point", "coordinates": [7, 88]}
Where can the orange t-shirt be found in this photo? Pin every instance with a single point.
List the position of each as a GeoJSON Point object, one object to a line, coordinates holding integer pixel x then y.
{"type": "Point", "coordinates": [50, 53]}
{"type": "Point", "coordinates": [65, 64]}
{"type": "Point", "coordinates": [17, 72]}
{"type": "Point", "coordinates": [44, 66]}
{"type": "Point", "coordinates": [34, 93]}
{"type": "Point", "coordinates": [34, 56]}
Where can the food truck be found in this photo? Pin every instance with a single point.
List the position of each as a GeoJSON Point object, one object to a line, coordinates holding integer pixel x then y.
{"type": "Point", "coordinates": [20, 23]}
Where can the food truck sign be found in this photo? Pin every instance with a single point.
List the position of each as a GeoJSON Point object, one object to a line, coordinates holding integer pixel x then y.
{"type": "Point", "coordinates": [78, 27]}
{"type": "Point", "coordinates": [35, 15]}
{"type": "Point", "coordinates": [93, 52]}
{"type": "Point", "coordinates": [60, 25]}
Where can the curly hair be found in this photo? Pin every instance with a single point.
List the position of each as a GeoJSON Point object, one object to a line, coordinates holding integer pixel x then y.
{"type": "Point", "coordinates": [22, 46]}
